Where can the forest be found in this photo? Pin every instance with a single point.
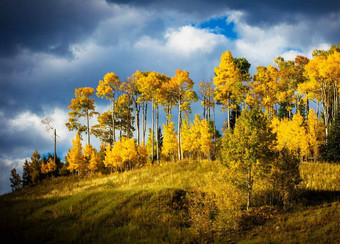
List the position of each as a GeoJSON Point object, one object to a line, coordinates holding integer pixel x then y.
{"type": "Point", "coordinates": [282, 129]}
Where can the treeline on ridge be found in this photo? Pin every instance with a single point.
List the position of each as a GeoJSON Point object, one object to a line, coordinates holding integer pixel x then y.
{"type": "Point", "coordinates": [271, 125]}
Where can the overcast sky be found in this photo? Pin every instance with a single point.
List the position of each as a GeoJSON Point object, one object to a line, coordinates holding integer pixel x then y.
{"type": "Point", "coordinates": [49, 48]}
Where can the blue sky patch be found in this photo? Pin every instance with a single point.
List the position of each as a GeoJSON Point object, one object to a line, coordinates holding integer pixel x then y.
{"type": "Point", "coordinates": [219, 25]}
{"type": "Point", "coordinates": [293, 49]}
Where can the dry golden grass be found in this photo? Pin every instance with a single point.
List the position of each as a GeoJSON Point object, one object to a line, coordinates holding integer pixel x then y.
{"type": "Point", "coordinates": [178, 202]}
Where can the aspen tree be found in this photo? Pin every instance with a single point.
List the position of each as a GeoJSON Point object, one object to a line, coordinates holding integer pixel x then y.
{"type": "Point", "coordinates": [228, 82]}
{"type": "Point", "coordinates": [81, 106]}
{"type": "Point", "coordinates": [181, 86]}
{"type": "Point", "coordinates": [107, 88]}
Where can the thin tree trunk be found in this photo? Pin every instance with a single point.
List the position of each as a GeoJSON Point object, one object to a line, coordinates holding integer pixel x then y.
{"type": "Point", "coordinates": [157, 125]}
{"type": "Point", "coordinates": [128, 123]}
{"type": "Point", "coordinates": [88, 127]}
{"type": "Point", "coordinates": [120, 130]}
{"type": "Point", "coordinates": [179, 130]}
{"type": "Point", "coordinates": [214, 122]}
{"type": "Point", "coordinates": [55, 146]}
{"type": "Point", "coordinates": [209, 110]}
{"type": "Point", "coordinates": [228, 107]}
{"type": "Point", "coordinates": [167, 114]}
{"type": "Point", "coordinates": [153, 130]}
{"type": "Point", "coordinates": [113, 120]}
{"type": "Point", "coordinates": [307, 104]}
{"type": "Point", "coordinates": [250, 185]}
{"type": "Point", "coordinates": [228, 118]}
{"type": "Point", "coordinates": [143, 129]}
{"type": "Point", "coordinates": [326, 105]}
{"type": "Point", "coordinates": [145, 117]}
{"type": "Point", "coordinates": [137, 122]}
{"type": "Point", "coordinates": [203, 109]}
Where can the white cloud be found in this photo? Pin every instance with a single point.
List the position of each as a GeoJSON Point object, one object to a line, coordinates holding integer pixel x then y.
{"type": "Point", "coordinates": [291, 54]}
{"type": "Point", "coordinates": [26, 121]}
{"type": "Point", "coordinates": [262, 43]}
{"type": "Point", "coordinates": [189, 39]}
{"type": "Point", "coordinates": [184, 41]}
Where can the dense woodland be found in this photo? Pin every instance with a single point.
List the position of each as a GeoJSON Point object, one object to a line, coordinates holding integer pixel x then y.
{"type": "Point", "coordinates": [285, 114]}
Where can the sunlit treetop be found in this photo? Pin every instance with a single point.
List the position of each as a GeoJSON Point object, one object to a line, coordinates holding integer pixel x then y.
{"type": "Point", "coordinates": [107, 86]}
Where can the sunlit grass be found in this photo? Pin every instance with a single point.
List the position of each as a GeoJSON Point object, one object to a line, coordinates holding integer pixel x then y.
{"type": "Point", "coordinates": [178, 202]}
{"type": "Point", "coordinates": [321, 176]}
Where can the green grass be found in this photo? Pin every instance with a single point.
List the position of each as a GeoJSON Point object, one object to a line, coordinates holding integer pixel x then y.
{"type": "Point", "coordinates": [181, 202]}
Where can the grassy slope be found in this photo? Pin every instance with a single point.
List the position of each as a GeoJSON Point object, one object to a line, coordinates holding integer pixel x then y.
{"type": "Point", "coordinates": [151, 205]}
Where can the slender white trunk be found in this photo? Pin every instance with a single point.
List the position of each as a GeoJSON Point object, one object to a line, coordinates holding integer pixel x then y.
{"type": "Point", "coordinates": [179, 130]}
{"type": "Point", "coordinates": [250, 186]}
{"type": "Point", "coordinates": [88, 127]}
{"type": "Point", "coordinates": [137, 121]}
{"type": "Point", "coordinates": [157, 125]}
{"type": "Point", "coordinates": [228, 105]}
{"type": "Point", "coordinates": [113, 119]}
{"type": "Point", "coordinates": [153, 131]}
{"type": "Point", "coordinates": [55, 146]}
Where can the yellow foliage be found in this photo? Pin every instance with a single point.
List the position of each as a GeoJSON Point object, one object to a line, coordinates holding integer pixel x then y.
{"type": "Point", "coordinates": [302, 138]}
{"type": "Point", "coordinates": [315, 134]}
{"type": "Point", "coordinates": [228, 81]}
{"type": "Point", "coordinates": [290, 134]}
{"type": "Point", "coordinates": [108, 162]}
{"type": "Point", "coordinates": [129, 152]}
{"type": "Point", "coordinates": [49, 167]}
{"type": "Point", "coordinates": [170, 142]}
{"type": "Point", "coordinates": [324, 83]}
{"type": "Point", "coordinates": [264, 88]}
{"type": "Point", "coordinates": [75, 158]}
{"type": "Point", "coordinates": [107, 87]}
{"type": "Point", "coordinates": [124, 154]}
{"type": "Point", "coordinates": [87, 150]}
{"type": "Point", "coordinates": [94, 162]}
{"type": "Point", "coordinates": [142, 154]}
{"type": "Point", "coordinates": [206, 141]}
{"type": "Point", "coordinates": [196, 139]}
{"type": "Point", "coordinates": [82, 99]}
{"type": "Point", "coordinates": [186, 137]}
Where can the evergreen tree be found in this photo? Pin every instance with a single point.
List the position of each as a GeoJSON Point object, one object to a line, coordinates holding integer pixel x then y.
{"type": "Point", "coordinates": [283, 110]}
{"type": "Point", "coordinates": [235, 113]}
{"type": "Point", "coordinates": [26, 174]}
{"type": "Point", "coordinates": [160, 140]}
{"type": "Point", "coordinates": [332, 150]}
{"type": "Point", "coordinates": [15, 180]}
{"type": "Point", "coordinates": [35, 166]}
{"type": "Point", "coordinates": [302, 109]}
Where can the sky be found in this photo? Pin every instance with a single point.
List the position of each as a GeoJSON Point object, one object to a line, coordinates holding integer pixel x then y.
{"type": "Point", "coordinates": [49, 48]}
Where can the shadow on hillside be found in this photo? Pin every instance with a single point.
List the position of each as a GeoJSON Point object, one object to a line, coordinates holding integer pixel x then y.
{"type": "Point", "coordinates": [112, 216]}
{"type": "Point", "coordinates": [314, 197]}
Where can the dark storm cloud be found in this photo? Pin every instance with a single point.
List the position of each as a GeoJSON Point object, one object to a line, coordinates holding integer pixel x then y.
{"type": "Point", "coordinates": [46, 26]}
{"type": "Point", "coordinates": [256, 12]}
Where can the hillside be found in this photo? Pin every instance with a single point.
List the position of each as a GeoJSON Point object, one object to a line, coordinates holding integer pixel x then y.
{"type": "Point", "coordinates": [181, 202]}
